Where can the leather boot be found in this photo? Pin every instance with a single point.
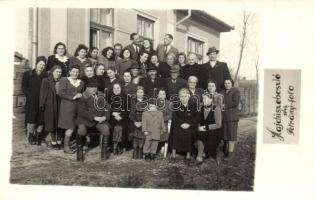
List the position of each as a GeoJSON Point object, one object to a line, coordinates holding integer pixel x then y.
{"type": "Point", "coordinates": [79, 152]}
{"type": "Point", "coordinates": [104, 155]}
{"type": "Point", "coordinates": [32, 138]}
{"type": "Point", "coordinates": [140, 153]}
{"type": "Point", "coordinates": [66, 145]}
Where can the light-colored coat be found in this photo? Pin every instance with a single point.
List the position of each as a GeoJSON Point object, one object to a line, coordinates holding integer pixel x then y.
{"type": "Point", "coordinates": [153, 123]}
{"type": "Point", "coordinates": [161, 52]}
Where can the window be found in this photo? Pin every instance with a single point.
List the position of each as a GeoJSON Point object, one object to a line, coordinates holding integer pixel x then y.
{"type": "Point", "coordinates": [196, 46]}
{"type": "Point", "coordinates": [145, 28]}
{"type": "Point", "coordinates": [101, 27]}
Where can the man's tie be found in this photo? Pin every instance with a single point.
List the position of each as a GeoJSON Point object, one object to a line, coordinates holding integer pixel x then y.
{"type": "Point", "coordinates": [165, 50]}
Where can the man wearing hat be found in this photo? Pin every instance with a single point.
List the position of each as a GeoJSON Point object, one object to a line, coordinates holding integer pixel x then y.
{"type": "Point", "coordinates": [152, 82]}
{"type": "Point", "coordinates": [215, 70]}
{"type": "Point", "coordinates": [93, 113]}
{"type": "Point", "coordinates": [135, 73]}
{"type": "Point", "coordinates": [174, 83]}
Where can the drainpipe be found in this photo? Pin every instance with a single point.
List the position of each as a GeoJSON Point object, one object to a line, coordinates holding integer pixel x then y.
{"type": "Point", "coordinates": [185, 18]}
{"type": "Point", "coordinates": [35, 36]}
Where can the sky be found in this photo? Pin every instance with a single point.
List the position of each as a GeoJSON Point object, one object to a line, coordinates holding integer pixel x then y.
{"type": "Point", "coordinates": [230, 42]}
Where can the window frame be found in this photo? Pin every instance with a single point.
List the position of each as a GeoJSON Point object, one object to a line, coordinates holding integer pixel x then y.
{"type": "Point", "coordinates": [196, 40]}
{"type": "Point", "coordinates": [143, 20]}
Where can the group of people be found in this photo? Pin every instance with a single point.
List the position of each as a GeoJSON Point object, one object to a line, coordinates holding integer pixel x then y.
{"type": "Point", "coordinates": [133, 97]}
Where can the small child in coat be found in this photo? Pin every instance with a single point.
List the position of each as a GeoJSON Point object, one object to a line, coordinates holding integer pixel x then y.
{"type": "Point", "coordinates": [153, 127]}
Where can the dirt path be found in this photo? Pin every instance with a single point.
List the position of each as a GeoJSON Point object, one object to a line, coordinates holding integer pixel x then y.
{"type": "Point", "coordinates": [40, 165]}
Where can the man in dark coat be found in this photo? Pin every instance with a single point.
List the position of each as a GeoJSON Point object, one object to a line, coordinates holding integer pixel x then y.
{"type": "Point", "coordinates": [134, 47]}
{"type": "Point", "coordinates": [152, 82]}
{"type": "Point", "coordinates": [93, 112]}
{"type": "Point", "coordinates": [174, 83]}
{"type": "Point", "coordinates": [214, 70]}
{"type": "Point", "coordinates": [165, 49]}
{"type": "Point", "coordinates": [192, 68]}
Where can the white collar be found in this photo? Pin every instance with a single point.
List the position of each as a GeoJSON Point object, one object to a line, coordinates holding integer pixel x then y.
{"type": "Point", "coordinates": [212, 63]}
{"type": "Point", "coordinates": [75, 83]}
{"type": "Point", "coordinates": [61, 58]}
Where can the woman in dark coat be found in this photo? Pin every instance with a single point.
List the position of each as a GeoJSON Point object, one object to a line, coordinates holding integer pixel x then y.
{"type": "Point", "coordinates": [230, 116]}
{"type": "Point", "coordinates": [208, 137]}
{"type": "Point", "coordinates": [70, 90]}
{"type": "Point", "coordinates": [59, 58]}
{"type": "Point", "coordinates": [80, 58]}
{"type": "Point", "coordinates": [119, 119]}
{"type": "Point", "coordinates": [185, 121]}
{"type": "Point", "coordinates": [31, 83]}
{"type": "Point", "coordinates": [49, 102]}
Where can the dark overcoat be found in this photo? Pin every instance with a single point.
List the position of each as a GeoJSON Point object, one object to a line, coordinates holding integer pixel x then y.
{"type": "Point", "coordinates": [231, 103]}
{"type": "Point", "coordinates": [53, 60]}
{"type": "Point", "coordinates": [173, 87]}
{"type": "Point", "coordinates": [182, 139]}
{"type": "Point", "coordinates": [219, 73]}
{"type": "Point", "coordinates": [151, 87]}
{"type": "Point", "coordinates": [50, 103]}
{"type": "Point", "coordinates": [31, 83]}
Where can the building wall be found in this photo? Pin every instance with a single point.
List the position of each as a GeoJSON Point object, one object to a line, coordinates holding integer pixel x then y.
{"type": "Point", "coordinates": [77, 28]}
{"type": "Point", "coordinates": [72, 26]}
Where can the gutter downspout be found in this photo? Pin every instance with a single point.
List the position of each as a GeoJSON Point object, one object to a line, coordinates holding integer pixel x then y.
{"type": "Point", "coordinates": [185, 18]}
{"type": "Point", "coordinates": [35, 36]}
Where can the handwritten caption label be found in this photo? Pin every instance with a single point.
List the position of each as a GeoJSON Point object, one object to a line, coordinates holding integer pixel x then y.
{"type": "Point", "coordinates": [281, 106]}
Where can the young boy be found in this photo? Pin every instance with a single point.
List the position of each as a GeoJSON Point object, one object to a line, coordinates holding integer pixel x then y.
{"type": "Point", "coordinates": [153, 126]}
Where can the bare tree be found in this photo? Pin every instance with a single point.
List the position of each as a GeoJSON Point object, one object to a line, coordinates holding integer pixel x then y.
{"type": "Point", "coordinates": [243, 39]}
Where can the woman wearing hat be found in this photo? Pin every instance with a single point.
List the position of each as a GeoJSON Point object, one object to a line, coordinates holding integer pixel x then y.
{"type": "Point", "coordinates": [70, 90]}
{"type": "Point", "coordinates": [80, 58]}
{"type": "Point", "coordinates": [59, 58]}
{"type": "Point", "coordinates": [49, 102]}
{"type": "Point", "coordinates": [230, 116]}
{"type": "Point", "coordinates": [31, 83]}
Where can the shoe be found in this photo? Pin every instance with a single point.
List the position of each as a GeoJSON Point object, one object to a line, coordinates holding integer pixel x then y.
{"type": "Point", "coordinates": [67, 148]}
{"type": "Point", "coordinates": [147, 156]}
{"type": "Point", "coordinates": [104, 155]}
{"type": "Point", "coordinates": [152, 156]}
{"type": "Point", "coordinates": [173, 159]}
{"type": "Point", "coordinates": [217, 161]}
{"type": "Point", "coordinates": [79, 152]}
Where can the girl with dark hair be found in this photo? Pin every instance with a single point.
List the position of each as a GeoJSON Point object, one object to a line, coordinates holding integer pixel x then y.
{"type": "Point", "coordinates": [93, 56]}
{"type": "Point", "coordinates": [107, 58]}
{"type": "Point", "coordinates": [125, 63]}
{"type": "Point", "coordinates": [230, 116]}
{"type": "Point", "coordinates": [70, 90]}
{"type": "Point", "coordinates": [80, 58]}
{"type": "Point", "coordinates": [148, 46]}
{"type": "Point", "coordinates": [31, 83]}
{"type": "Point", "coordinates": [49, 102]}
{"type": "Point", "coordinates": [59, 58]}
{"type": "Point", "coordinates": [181, 59]}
